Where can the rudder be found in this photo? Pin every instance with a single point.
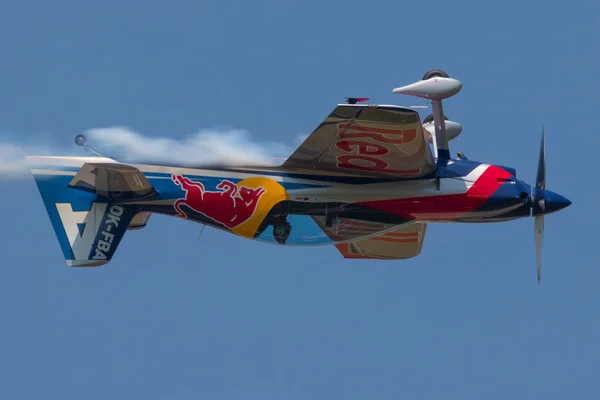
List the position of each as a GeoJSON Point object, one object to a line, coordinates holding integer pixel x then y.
{"type": "Point", "coordinates": [94, 235]}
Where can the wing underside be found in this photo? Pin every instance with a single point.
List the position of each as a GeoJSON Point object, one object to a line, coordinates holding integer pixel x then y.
{"type": "Point", "coordinates": [369, 141]}
{"type": "Point", "coordinates": [402, 243]}
{"type": "Point", "coordinates": [365, 239]}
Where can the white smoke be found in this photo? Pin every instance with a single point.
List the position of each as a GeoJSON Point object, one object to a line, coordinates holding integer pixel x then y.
{"type": "Point", "coordinates": [12, 158]}
{"type": "Point", "coordinates": [231, 147]}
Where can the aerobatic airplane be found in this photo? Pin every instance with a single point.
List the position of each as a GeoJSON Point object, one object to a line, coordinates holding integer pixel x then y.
{"type": "Point", "coordinates": [366, 181]}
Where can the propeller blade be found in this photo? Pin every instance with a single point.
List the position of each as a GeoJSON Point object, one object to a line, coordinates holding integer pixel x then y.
{"type": "Point", "coordinates": [539, 206]}
{"type": "Point", "coordinates": [540, 182]}
{"type": "Point", "coordinates": [538, 192]}
{"type": "Point", "coordinates": [539, 241]}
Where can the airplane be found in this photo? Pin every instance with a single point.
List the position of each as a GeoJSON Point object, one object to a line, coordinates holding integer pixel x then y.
{"type": "Point", "coordinates": [368, 180]}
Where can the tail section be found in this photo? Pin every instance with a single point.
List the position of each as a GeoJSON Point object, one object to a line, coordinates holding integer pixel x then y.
{"type": "Point", "coordinates": [93, 235]}
{"type": "Point", "coordinates": [86, 200]}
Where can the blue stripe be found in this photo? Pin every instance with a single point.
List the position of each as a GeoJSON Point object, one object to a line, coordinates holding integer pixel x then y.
{"type": "Point", "coordinates": [455, 168]}
{"type": "Point", "coordinates": [53, 167]}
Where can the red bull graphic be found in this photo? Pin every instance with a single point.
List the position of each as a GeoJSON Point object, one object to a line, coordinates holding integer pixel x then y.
{"type": "Point", "coordinates": [239, 207]}
{"type": "Point", "coordinates": [229, 206]}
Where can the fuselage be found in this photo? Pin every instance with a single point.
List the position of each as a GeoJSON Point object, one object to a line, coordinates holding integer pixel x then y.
{"type": "Point", "coordinates": [302, 207]}
{"type": "Point", "coordinates": [246, 201]}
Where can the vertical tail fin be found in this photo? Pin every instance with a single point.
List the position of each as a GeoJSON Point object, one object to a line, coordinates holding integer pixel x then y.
{"type": "Point", "coordinates": [94, 235]}
{"type": "Point", "coordinates": [89, 226]}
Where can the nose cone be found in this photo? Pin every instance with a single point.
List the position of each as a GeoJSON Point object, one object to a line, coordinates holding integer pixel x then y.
{"type": "Point", "coordinates": [554, 202]}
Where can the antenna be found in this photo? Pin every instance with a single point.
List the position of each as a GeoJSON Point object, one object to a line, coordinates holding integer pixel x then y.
{"type": "Point", "coordinates": [81, 141]}
{"type": "Point", "coordinates": [201, 231]}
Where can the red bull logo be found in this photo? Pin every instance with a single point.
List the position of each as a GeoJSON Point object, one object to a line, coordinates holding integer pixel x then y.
{"type": "Point", "coordinates": [240, 207]}
{"type": "Point", "coordinates": [230, 206]}
{"type": "Point", "coordinates": [373, 146]}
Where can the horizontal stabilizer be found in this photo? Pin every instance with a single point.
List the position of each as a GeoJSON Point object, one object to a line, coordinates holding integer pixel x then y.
{"type": "Point", "coordinates": [139, 221]}
{"type": "Point", "coordinates": [114, 182]}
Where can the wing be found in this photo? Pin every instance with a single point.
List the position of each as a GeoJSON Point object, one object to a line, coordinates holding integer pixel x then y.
{"type": "Point", "coordinates": [405, 242]}
{"type": "Point", "coordinates": [369, 141]}
{"type": "Point", "coordinates": [351, 229]}
{"type": "Point", "coordinates": [375, 239]}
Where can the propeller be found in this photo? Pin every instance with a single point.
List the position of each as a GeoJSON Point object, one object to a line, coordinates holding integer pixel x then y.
{"type": "Point", "coordinates": [538, 208]}
{"type": "Point", "coordinates": [543, 202]}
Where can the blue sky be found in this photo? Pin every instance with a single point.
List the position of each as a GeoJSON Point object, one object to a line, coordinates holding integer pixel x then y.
{"type": "Point", "coordinates": [173, 317]}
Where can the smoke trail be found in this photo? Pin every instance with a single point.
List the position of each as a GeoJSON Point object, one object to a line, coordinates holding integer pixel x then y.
{"type": "Point", "coordinates": [12, 158]}
{"type": "Point", "coordinates": [228, 147]}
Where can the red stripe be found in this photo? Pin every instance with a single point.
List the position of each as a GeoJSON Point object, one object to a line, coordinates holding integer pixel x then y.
{"type": "Point", "coordinates": [446, 207]}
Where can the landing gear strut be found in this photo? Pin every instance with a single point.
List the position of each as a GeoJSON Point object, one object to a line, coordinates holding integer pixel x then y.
{"type": "Point", "coordinates": [278, 219]}
{"type": "Point", "coordinates": [281, 230]}
{"type": "Point", "coordinates": [331, 218]}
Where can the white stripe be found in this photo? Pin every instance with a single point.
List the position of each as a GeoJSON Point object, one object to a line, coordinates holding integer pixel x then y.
{"type": "Point", "coordinates": [78, 162]}
{"type": "Point", "coordinates": [52, 172]}
{"type": "Point", "coordinates": [85, 263]}
{"type": "Point", "coordinates": [67, 161]}
{"type": "Point", "coordinates": [193, 173]}
{"type": "Point", "coordinates": [207, 173]}
{"type": "Point", "coordinates": [476, 173]}
{"type": "Point", "coordinates": [198, 172]}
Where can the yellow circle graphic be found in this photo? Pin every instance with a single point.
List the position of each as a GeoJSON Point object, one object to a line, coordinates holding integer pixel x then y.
{"type": "Point", "coordinates": [258, 196]}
